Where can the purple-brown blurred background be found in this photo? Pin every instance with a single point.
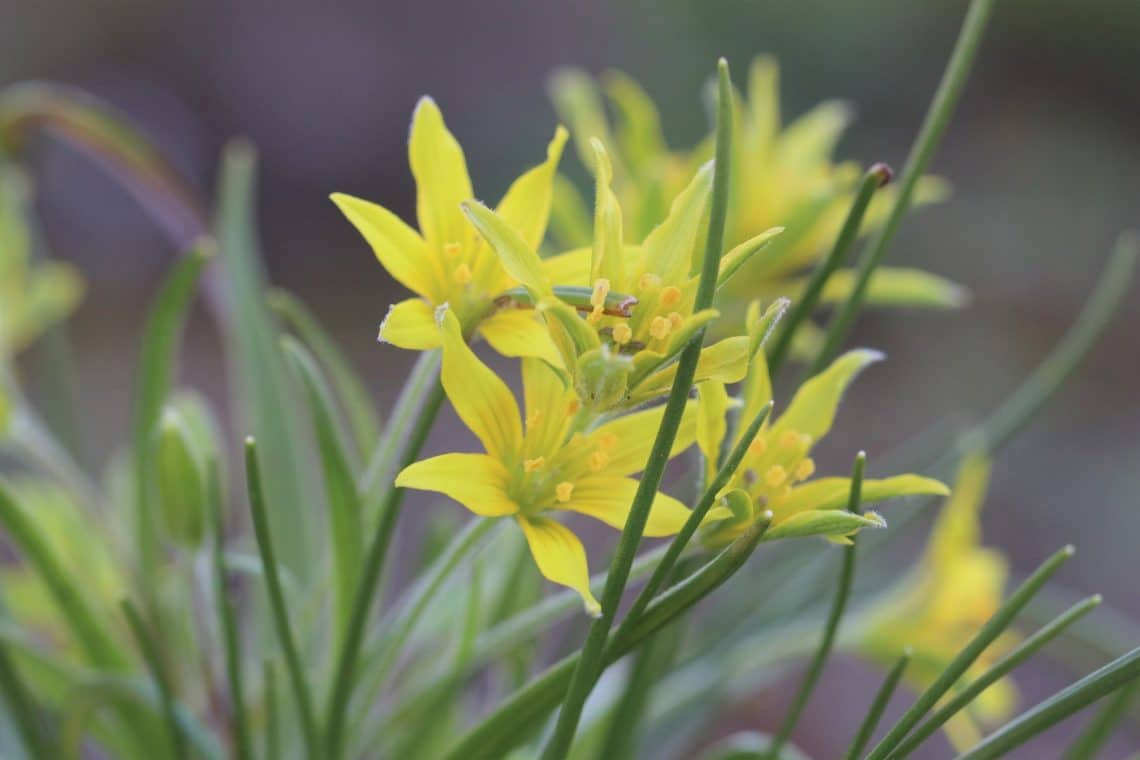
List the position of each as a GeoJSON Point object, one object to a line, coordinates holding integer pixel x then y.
{"type": "Point", "coordinates": [1043, 154]}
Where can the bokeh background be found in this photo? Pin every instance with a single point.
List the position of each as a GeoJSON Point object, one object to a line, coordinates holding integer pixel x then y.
{"type": "Point", "coordinates": [1043, 154]}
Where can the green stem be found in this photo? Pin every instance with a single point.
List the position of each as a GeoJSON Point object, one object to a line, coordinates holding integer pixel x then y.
{"type": "Point", "coordinates": [877, 176]}
{"type": "Point", "coordinates": [226, 622]}
{"type": "Point", "coordinates": [933, 126]}
{"type": "Point", "coordinates": [150, 654]}
{"type": "Point", "coordinates": [831, 627]}
{"type": "Point", "coordinates": [511, 721]}
{"type": "Point", "coordinates": [878, 707]}
{"type": "Point", "coordinates": [1100, 729]}
{"type": "Point", "coordinates": [1107, 296]}
{"type": "Point", "coordinates": [269, 697]}
{"type": "Point", "coordinates": [1057, 708]}
{"type": "Point", "coordinates": [22, 707]}
{"type": "Point", "coordinates": [999, 669]}
{"type": "Point", "coordinates": [345, 674]}
{"type": "Point", "coordinates": [591, 663]}
{"type": "Point", "coordinates": [301, 692]}
{"type": "Point", "coordinates": [966, 657]}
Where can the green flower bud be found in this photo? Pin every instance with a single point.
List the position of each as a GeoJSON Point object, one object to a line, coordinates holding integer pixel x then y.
{"type": "Point", "coordinates": [603, 377]}
{"type": "Point", "coordinates": [186, 442]}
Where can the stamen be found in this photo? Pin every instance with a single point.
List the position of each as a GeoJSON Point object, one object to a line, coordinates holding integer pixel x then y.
{"type": "Point", "coordinates": [805, 469]}
{"type": "Point", "coordinates": [572, 407]}
{"type": "Point", "coordinates": [607, 441]}
{"type": "Point", "coordinates": [648, 280]}
{"type": "Point", "coordinates": [462, 274]}
{"type": "Point", "coordinates": [775, 476]}
{"type": "Point", "coordinates": [675, 319]}
{"type": "Point", "coordinates": [790, 439]}
{"type": "Point", "coordinates": [531, 465]}
{"type": "Point", "coordinates": [601, 290]}
{"type": "Point", "coordinates": [533, 418]}
{"type": "Point", "coordinates": [670, 295]}
{"type": "Point", "coordinates": [563, 490]}
{"type": "Point", "coordinates": [758, 446]}
{"type": "Point", "coordinates": [452, 249]}
{"type": "Point", "coordinates": [622, 333]}
{"type": "Point", "coordinates": [598, 461]}
{"type": "Point", "coordinates": [660, 328]}
{"type": "Point", "coordinates": [595, 315]}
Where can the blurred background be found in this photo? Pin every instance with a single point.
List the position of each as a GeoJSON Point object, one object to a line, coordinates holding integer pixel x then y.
{"type": "Point", "coordinates": [1043, 155]}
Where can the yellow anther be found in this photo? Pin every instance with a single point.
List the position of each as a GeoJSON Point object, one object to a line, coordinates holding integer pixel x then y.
{"type": "Point", "coordinates": [531, 465]}
{"type": "Point", "coordinates": [775, 476]}
{"type": "Point", "coordinates": [622, 334]}
{"type": "Point", "coordinates": [598, 461]}
{"type": "Point", "coordinates": [572, 407]}
{"type": "Point", "coordinates": [452, 249]}
{"type": "Point", "coordinates": [648, 280]}
{"type": "Point", "coordinates": [670, 295]}
{"type": "Point", "coordinates": [563, 490]}
{"type": "Point", "coordinates": [534, 418]}
{"type": "Point", "coordinates": [805, 469]}
{"type": "Point", "coordinates": [660, 328]}
{"type": "Point", "coordinates": [462, 274]}
{"type": "Point", "coordinates": [783, 493]}
{"type": "Point", "coordinates": [790, 439]}
{"type": "Point", "coordinates": [607, 441]}
{"type": "Point", "coordinates": [758, 446]}
{"type": "Point", "coordinates": [595, 315]}
{"type": "Point", "coordinates": [675, 319]}
{"type": "Point", "coordinates": [601, 290]}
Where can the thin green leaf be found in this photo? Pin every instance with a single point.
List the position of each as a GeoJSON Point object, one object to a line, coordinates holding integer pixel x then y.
{"type": "Point", "coordinates": [150, 653]}
{"type": "Point", "coordinates": [878, 707]}
{"type": "Point", "coordinates": [22, 708]}
{"type": "Point", "coordinates": [1100, 728]}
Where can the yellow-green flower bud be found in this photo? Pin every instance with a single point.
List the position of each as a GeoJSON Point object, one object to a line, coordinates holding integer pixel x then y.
{"type": "Point", "coordinates": [186, 442]}
{"type": "Point", "coordinates": [602, 377]}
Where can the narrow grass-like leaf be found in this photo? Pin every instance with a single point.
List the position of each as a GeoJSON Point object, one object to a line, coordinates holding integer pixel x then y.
{"type": "Point", "coordinates": [347, 546]}
{"type": "Point", "coordinates": [95, 641]}
{"type": "Point", "coordinates": [966, 657]}
{"type": "Point", "coordinates": [1006, 664]}
{"type": "Point", "coordinates": [227, 624]}
{"type": "Point", "coordinates": [1057, 708]}
{"type": "Point", "coordinates": [590, 666]}
{"type": "Point", "coordinates": [24, 712]}
{"type": "Point", "coordinates": [268, 401]}
{"type": "Point", "coordinates": [153, 658]}
{"type": "Point", "coordinates": [930, 134]}
{"type": "Point", "coordinates": [878, 707]}
{"type": "Point", "coordinates": [831, 627]}
{"type": "Point", "coordinates": [153, 383]}
{"type": "Point", "coordinates": [354, 397]}
{"type": "Point", "coordinates": [1100, 728]}
{"type": "Point", "coordinates": [301, 693]}
{"type": "Point", "coordinates": [272, 744]}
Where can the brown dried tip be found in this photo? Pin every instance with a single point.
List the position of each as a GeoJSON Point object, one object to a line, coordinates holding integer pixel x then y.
{"type": "Point", "coordinates": [883, 172]}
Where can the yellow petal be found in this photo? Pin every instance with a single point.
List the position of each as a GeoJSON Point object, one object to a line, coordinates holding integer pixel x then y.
{"type": "Point", "coordinates": [441, 176]}
{"type": "Point", "coordinates": [399, 248]}
{"type": "Point", "coordinates": [526, 205]}
{"type": "Point", "coordinates": [476, 481]}
{"type": "Point", "coordinates": [481, 399]}
{"type": "Point", "coordinates": [896, 286]}
{"type": "Point", "coordinates": [607, 260]}
{"type": "Point", "coordinates": [725, 362]}
{"type": "Point", "coordinates": [609, 499]}
{"type": "Point", "coordinates": [712, 406]}
{"type": "Point", "coordinates": [812, 409]}
{"type": "Point", "coordinates": [635, 433]}
{"type": "Point", "coordinates": [517, 257]}
{"type": "Point", "coordinates": [560, 557]}
{"type": "Point", "coordinates": [834, 493]}
{"type": "Point", "coordinates": [756, 391]}
{"type": "Point", "coordinates": [410, 324]}
{"type": "Point", "coordinates": [520, 332]}
{"type": "Point", "coordinates": [957, 529]}
{"type": "Point", "coordinates": [671, 244]}
{"type": "Point", "coordinates": [570, 268]}
{"type": "Point", "coordinates": [547, 400]}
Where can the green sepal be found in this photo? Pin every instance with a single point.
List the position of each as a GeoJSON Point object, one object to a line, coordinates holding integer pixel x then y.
{"type": "Point", "coordinates": [824, 522]}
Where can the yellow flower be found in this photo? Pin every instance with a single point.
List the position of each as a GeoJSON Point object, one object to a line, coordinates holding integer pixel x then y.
{"type": "Point", "coordinates": [782, 175]}
{"type": "Point", "coordinates": [543, 461]}
{"type": "Point", "coordinates": [640, 298]}
{"type": "Point", "coordinates": [958, 586]}
{"type": "Point", "coordinates": [776, 472]}
{"type": "Point", "coordinates": [445, 262]}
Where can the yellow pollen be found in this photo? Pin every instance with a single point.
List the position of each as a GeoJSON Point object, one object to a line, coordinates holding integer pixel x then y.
{"type": "Point", "coordinates": [563, 490]}
{"type": "Point", "coordinates": [598, 461]}
{"type": "Point", "coordinates": [462, 274]}
{"type": "Point", "coordinates": [607, 441]}
{"type": "Point", "coordinates": [758, 446]}
{"type": "Point", "coordinates": [660, 328]}
{"type": "Point", "coordinates": [622, 333]}
{"type": "Point", "coordinates": [601, 290]}
{"type": "Point", "coordinates": [790, 439]}
{"type": "Point", "coordinates": [775, 476]}
{"type": "Point", "coordinates": [531, 465]}
{"type": "Point", "coordinates": [648, 280]}
{"type": "Point", "coordinates": [805, 469]}
{"type": "Point", "coordinates": [670, 295]}
{"type": "Point", "coordinates": [572, 407]}
{"type": "Point", "coordinates": [675, 319]}
{"type": "Point", "coordinates": [452, 249]}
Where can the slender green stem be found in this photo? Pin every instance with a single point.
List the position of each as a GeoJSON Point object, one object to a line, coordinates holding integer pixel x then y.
{"type": "Point", "coordinates": [231, 645]}
{"type": "Point", "coordinates": [878, 707]}
{"type": "Point", "coordinates": [877, 176]}
{"type": "Point", "coordinates": [933, 126]}
{"type": "Point", "coordinates": [1100, 728]}
{"type": "Point", "coordinates": [1057, 708]}
{"type": "Point", "coordinates": [158, 672]}
{"type": "Point", "coordinates": [591, 662]}
{"type": "Point", "coordinates": [1106, 298]}
{"type": "Point", "coordinates": [831, 627]}
{"type": "Point", "coordinates": [301, 692]}
{"type": "Point", "coordinates": [511, 721]}
{"type": "Point", "coordinates": [345, 675]}
{"type": "Point", "coordinates": [269, 697]}
{"type": "Point", "coordinates": [22, 707]}
{"type": "Point", "coordinates": [999, 669]}
{"type": "Point", "coordinates": [965, 658]}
